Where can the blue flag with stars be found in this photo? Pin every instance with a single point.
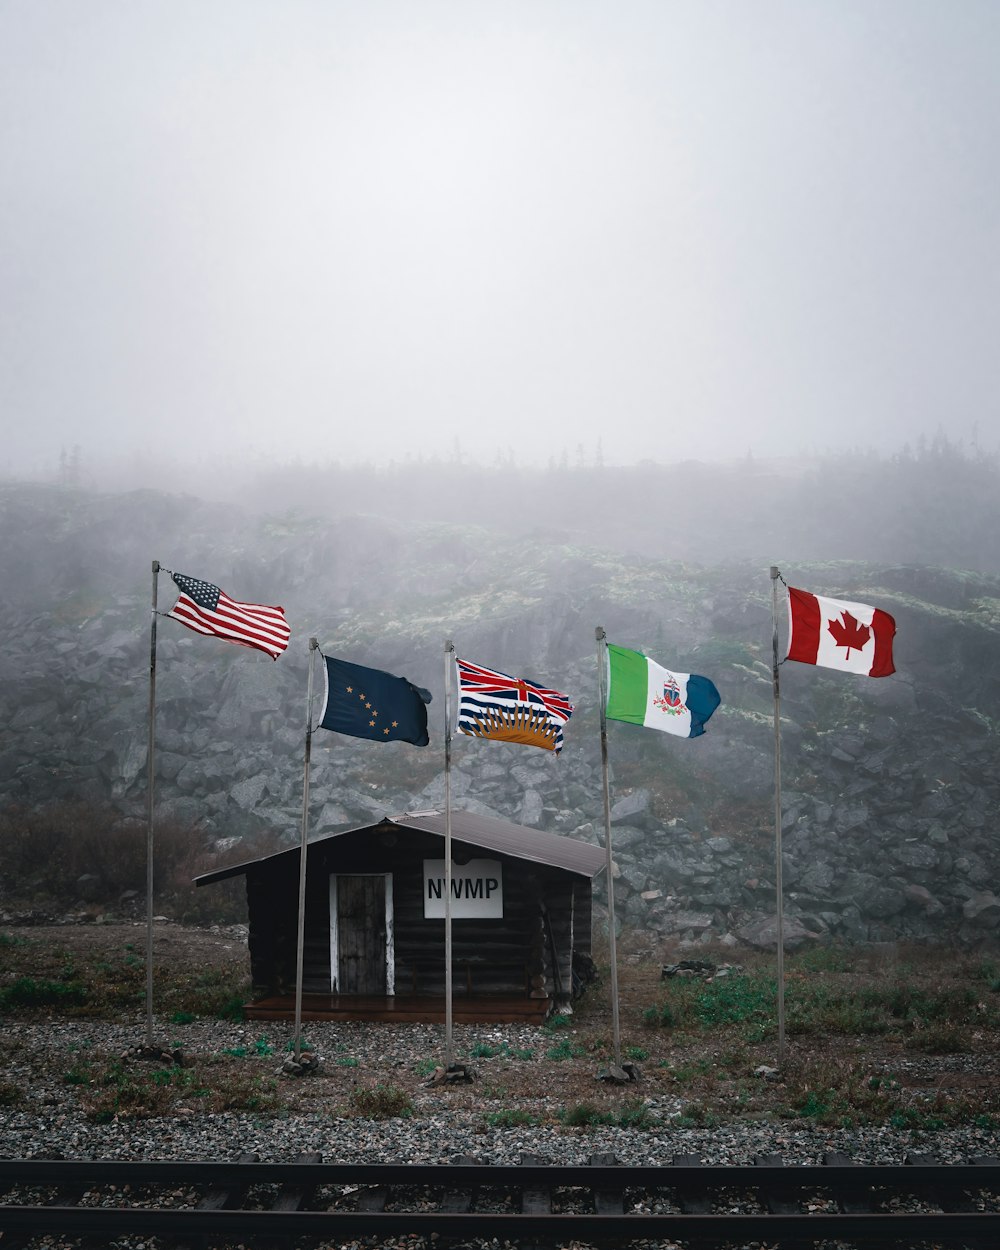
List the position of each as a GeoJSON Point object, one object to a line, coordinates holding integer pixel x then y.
{"type": "Point", "coordinates": [367, 703]}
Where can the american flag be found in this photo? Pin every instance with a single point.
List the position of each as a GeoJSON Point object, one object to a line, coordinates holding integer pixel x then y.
{"type": "Point", "coordinates": [208, 610]}
{"type": "Point", "coordinates": [509, 709]}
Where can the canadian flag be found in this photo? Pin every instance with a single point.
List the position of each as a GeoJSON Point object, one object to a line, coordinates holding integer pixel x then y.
{"type": "Point", "coordinates": [833, 633]}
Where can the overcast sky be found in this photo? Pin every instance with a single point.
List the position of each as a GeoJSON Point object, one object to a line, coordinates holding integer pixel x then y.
{"type": "Point", "coordinates": [307, 231]}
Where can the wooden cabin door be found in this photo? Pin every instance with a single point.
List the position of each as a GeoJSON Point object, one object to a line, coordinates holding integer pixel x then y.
{"type": "Point", "coordinates": [361, 947]}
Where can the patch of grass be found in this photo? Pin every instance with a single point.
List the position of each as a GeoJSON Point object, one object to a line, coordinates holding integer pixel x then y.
{"type": "Point", "coordinates": [815, 1104]}
{"type": "Point", "coordinates": [483, 1050]}
{"type": "Point", "coordinates": [424, 1067]}
{"type": "Point", "coordinates": [565, 1049]}
{"type": "Point", "coordinates": [242, 1090]}
{"type": "Point", "coordinates": [262, 1048]}
{"type": "Point", "coordinates": [103, 985]}
{"type": "Point", "coordinates": [686, 1073]}
{"type": "Point", "coordinates": [939, 1039]}
{"type": "Point", "coordinates": [662, 1016]}
{"type": "Point", "coordinates": [29, 993]}
{"type": "Point", "coordinates": [634, 1115]}
{"type": "Point", "coordinates": [823, 959]}
{"type": "Point", "coordinates": [118, 1091]}
{"type": "Point", "coordinates": [380, 1102]}
{"type": "Point", "coordinates": [735, 1000]}
{"type": "Point", "coordinates": [697, 1115]}
{"type": "Point", "coordinates": [636, 1052]}
{"type": "Point", "coordinates": [585, 1115]}
{"type": "Point", "coordinates": [231, 1008]}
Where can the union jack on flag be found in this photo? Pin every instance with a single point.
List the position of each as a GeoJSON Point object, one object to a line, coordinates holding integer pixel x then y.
{"type": "Point", "coordinates": [509, 709]}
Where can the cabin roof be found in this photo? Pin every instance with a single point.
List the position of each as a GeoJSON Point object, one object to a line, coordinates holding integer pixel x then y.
{"type": "Point", "coordinates": [491, 833]}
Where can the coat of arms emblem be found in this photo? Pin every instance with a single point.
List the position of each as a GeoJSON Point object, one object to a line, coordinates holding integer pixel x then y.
{"type": "Point", "coordinates": [671, 701]}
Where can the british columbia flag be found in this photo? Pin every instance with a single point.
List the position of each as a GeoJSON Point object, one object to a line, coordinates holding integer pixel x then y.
{"type": "Point", "coordinates": [510, 709]}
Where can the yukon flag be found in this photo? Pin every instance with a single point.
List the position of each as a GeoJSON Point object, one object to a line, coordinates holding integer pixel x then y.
{"type": "Point", "coordinates": [641, 692]}
{"type": "Point", "coordinates": [834, 633]}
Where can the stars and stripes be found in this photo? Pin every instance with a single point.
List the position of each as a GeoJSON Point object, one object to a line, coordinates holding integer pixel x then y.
{"type": "Point", "coordinates": [509, 709]}
{"type": "Point", "coordinates": [206, 609]}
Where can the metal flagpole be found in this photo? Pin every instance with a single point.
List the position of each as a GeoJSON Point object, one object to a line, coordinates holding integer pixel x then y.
{"type": "Point", "coordinates": [779, 901]}
{"type": "Point", "coordinates": [612, 951]}
{"type": "Point", "coordinates": [151, 772]}
{"type": "Point", "coordinates": [449, 651]}
{"type": "Point", "coordinates": [300, 946]}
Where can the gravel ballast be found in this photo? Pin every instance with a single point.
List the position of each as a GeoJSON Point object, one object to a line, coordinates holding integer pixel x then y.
{"type": "Point", "coordinates": [447, 1121]}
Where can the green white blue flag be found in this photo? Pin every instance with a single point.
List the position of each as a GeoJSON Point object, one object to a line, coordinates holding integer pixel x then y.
{"type": "Point", "coordinates": [642, 692]}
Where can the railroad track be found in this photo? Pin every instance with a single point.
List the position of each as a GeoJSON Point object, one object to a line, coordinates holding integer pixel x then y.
{"type": "Point", "coordinates": [308, 1203]}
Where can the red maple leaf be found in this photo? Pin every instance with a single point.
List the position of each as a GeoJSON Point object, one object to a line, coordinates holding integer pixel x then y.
{"type": "Point", "coordinates": [849, 633]}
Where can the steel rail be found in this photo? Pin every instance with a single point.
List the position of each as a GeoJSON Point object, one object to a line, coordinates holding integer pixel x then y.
{"type": "Point", "coordinates": [880, 1229]}
{"type": "Point", "coordinates": [221, 1188]}
{"type": "Point", "coordinates": [911, 1177]}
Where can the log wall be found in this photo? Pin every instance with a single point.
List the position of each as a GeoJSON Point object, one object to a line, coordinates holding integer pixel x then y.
{"type": "Point", "coordinates": [526, 953]}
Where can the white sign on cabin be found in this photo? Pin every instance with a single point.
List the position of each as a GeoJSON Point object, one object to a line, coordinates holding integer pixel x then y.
{"type": "Point", "coordinates": [476, 890]}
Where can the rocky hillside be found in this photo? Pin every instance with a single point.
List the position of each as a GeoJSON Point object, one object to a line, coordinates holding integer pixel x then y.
{"type": "Point", "coordinates": [891, 787]}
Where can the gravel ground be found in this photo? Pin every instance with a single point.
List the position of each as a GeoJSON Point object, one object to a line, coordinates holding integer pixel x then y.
{"type": "Point", "coordinates": [50, 1116]}
{"type": "Point", "coordinates": [49, 1120]}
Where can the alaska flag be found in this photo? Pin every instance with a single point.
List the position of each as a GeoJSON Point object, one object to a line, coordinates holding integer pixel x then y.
{"type": "Point", "coordinates": [367, 703]}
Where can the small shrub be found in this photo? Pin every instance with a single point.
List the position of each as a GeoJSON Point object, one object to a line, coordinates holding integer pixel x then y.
{"type": "Point", "coordinates": [182, 1017]}
{"type": "Point", "coordinates": [481, 1051]}
{"type": "Point", "coordinates": [635, 1115]}
{"type": "Point", "coordinates": [636, 1052]}
{"type": "Point", "coordinates": [424, 1067]}
{"type": "Point", "coordinates": [660, 1017]}
{"type": "Point", "coordinates": [697, 1115]}
{"type": "Point", "coordinates": [380, 1102]}
{"type": "Point", "coordinates": [815, 1105]}
{"type": "Point", "coordinates": [585, 1115]}
{"type": "Point", "coordinates": [231, 1009]}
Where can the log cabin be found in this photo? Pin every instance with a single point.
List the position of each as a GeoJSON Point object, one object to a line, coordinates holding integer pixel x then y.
{"type": "Point", "coordinates": [374, 934]}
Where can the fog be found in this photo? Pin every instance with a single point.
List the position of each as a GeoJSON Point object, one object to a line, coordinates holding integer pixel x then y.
{"type": "Point", "coordinates": [309, 232]}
